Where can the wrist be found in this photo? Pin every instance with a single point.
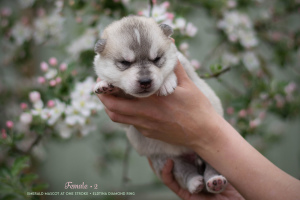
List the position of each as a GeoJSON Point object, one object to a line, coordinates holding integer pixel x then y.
{"type": "Point", "coordinates": [210, 134]}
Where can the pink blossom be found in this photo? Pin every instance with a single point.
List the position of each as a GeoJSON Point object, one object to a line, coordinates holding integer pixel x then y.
{"type": "Point", "coordinates": [58, 80]}
{"type": "Point", "coordinates": [34, 96]}
{"type": "Point", "coordinates": [78, 20]}
{"type": "Point", "coordinates": [184, 46]}
{"type": "Point", "coordinates": [63, 67]}
{"type": "Point", "coordinates": [140, 13]}
{"type": "Point", "coordinates": [243, 113]}
{"type": "Point", "coordinates": [41, 80]}
{"type": "Point", "coordinates": [154, 1]}
{"type": "Point", "coordinates": [9, 124]}
{"type": "Point", "coordinates": [276, 36]}
{"type": "Point", "coordinates": [74, 72]}
{"type": "Point", "coordinates": [233, 38]}
{"type": "Point", "coordinates": [6, 12]}
{"type": "Point", "coordinates": [170, 15]}
{"type": "Point", "coordinates": [25, 118]}
{"type": "Point", "coordinates": [44, 66]}
{"type": "Point", "coordinates": [196, 64]}
{"type": "Point", "coordinates": [230, 110]}
{"type": "Point", "coordinates": [279, 101]}
{"type": "Point", "coordinates": [290, 88]}
{"type": "Point", "coordinates": [191, 30]}
{"type": "Point", "coordinates": [3, 134]}
{"type": "Point", "coordinates": [25, 20]}
{"type": "Point", "coordinates": [50, 103]}
{"type": "Point", "coordinates": [52, 83]}
{"type": "Point", "coordinates": [23, 106]}
{"type": "Point", "coordinates": [231, 4]}
{"type": "Point", "coordinates": [165, 4]}
{"type": "Point", "coordinates": [254, 123]}
{"type": "Point", "coordinates": [53, 61]}
{"type": "Point", "coordinates": [262, 115]}
{"type": "Point", "coordinates": [41, 12]}
{"type": "Point", "coordinates": [250, 111]}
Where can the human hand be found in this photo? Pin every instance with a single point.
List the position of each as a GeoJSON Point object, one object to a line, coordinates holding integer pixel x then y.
{"type": "Point", "coordinates": [180, 118]}
{"type": "Point", "coordinates": [167, 177]}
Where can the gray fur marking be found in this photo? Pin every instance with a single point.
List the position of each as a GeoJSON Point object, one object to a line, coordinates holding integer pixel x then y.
{"type": "Point", "coordinates": [99, 46]}
{"type": "Point", "coordinates": [168, 31]}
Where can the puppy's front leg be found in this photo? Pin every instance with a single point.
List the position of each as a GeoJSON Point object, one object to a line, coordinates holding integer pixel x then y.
{"type": "Point", "coordinates": [168, 86]}
{"type": "Point", "coordinates": [104, 87]}
{"type": "Point", "coordinates": [215, 183]}
{"type": "Point", "coordinates": [184, 172]}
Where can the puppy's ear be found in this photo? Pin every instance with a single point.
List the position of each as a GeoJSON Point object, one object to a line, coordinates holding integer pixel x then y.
{"type": "Point", "coordinates": [168, 31]}
{"type": "Point", "coordinates": [99, 46]}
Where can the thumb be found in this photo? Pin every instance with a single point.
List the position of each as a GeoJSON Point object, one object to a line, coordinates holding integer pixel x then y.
{"type": "Point", "coordinates": [180, 74]}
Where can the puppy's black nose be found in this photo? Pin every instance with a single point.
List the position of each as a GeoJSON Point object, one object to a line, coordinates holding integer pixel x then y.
{"type": "Point", "coordinates": [145, 83]}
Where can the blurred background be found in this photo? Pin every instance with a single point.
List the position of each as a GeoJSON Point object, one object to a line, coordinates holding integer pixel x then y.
{"type": "Point", "coordinates": [54, 130]}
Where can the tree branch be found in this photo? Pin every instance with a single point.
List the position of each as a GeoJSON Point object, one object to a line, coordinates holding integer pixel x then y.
{"type": "Point", "coordinates": [125, 177]}
{"type": "Point", "coordinates": [151, 8]}
{"type": "Point", "coordinates": [37, 140]}
{"type": "Point", "coordinates": [217, 74]}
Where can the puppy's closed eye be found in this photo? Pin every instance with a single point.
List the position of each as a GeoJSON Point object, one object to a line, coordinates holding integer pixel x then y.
{"type": "Point", "coordinates": [126, 63]}
{"type": "Point", "coordinates": [157, 59]}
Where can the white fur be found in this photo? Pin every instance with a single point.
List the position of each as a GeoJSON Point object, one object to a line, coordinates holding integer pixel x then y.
{"type": "Point", "coordinates": [195, 184]}
{"type": "Point", "coordinates": [138, 37]}
{"type": "Point", "coordinates": [119, 47]}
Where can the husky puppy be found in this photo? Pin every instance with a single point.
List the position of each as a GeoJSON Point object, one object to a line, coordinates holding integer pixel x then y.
{"type": "Point", "coordinates": [136, 57]}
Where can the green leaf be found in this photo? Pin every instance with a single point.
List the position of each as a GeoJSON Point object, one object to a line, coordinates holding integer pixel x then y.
{"type": "Point", "coordinates": [19, 165]}
{"type": "Point", "coordinates": [40, 187]}
{"type": "Point", "coordinates": [219, 67]}
{"type": "Point", "coordinates": [28, 178]}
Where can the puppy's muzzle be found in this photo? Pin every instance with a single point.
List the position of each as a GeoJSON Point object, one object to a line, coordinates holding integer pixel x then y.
{"type": "Point", "coordinates": [145, 83]}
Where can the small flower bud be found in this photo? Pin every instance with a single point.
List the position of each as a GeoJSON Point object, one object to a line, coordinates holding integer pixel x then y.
{"type": "Point", "coordinates": [9, 124]}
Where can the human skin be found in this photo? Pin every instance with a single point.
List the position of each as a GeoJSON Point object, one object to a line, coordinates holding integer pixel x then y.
{"type": "Point", "coordinates": [187, 118]}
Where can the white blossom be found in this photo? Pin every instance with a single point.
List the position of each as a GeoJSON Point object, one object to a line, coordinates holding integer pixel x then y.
{"type": "Point", "coordinates": [73, 116]}
{"type": "Point", "coordinates": [21, 33]}
{"type": "Point", "coordinates": [238, 27]}
{"type": "Point", "coordinates": [191, 30]}
{"type": "Point", "coordinates": [84, 42]}
{"type": "Point", "coordinates": [56, 112]}
{"type": "Point", "coordinates": [180, 23]}
{"type": "Point", "coordinates": [250, 60]}
{"type": "Point", "coordinates": [25, 118]}
{"type": "Point", "coordinates": [51, 73]}
{"type": "Point", "coordinates": [26, 3]}
{"type": "Point", "coordinates": [64, 130]}
{"type": "Point", "coordinates": [34, 96]}
{"type": "Point", "coordinates": [229, 59]}
{"type": "Point", "coordinates": [48, 26]}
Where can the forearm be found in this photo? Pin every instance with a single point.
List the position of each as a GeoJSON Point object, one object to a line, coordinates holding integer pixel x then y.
{"type": "Point", "coordinates": [247, 170]}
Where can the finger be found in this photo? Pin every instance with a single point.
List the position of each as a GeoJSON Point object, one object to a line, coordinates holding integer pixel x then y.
{"type": "Point", "coordinates": [150, 163]}
{"type": "Point", "coordinates": [120, 105]}
{"type": "Point", "coordinates": [168, 178]}
{"type": "Point", "coordinates": [141, 124]}
{"type": "Point", "coordinates": [180, 73]}
{"type": "Point", "coordinates": [124, 119]}
{"type": "Point", "coordinates": [173, 40]}
{"type": "Point", "coordinates": [98, 79]}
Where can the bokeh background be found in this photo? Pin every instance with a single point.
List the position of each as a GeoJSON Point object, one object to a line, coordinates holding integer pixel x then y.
{"type": "Point", "coordinates": [54, 129]}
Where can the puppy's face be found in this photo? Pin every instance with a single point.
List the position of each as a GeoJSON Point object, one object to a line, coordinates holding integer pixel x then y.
{"type": "Point", "coordinates": [136, 55]}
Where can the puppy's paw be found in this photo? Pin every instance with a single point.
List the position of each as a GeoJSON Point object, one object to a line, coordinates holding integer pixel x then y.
{"type": "Point", "coordinates": [195, 184]}
{"type": "Point", "coordinates": [168, 86]}
{"type": "Point", "coordinates": [104, 87]}
{"type": "Point", "coordinates": [216, 184]}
